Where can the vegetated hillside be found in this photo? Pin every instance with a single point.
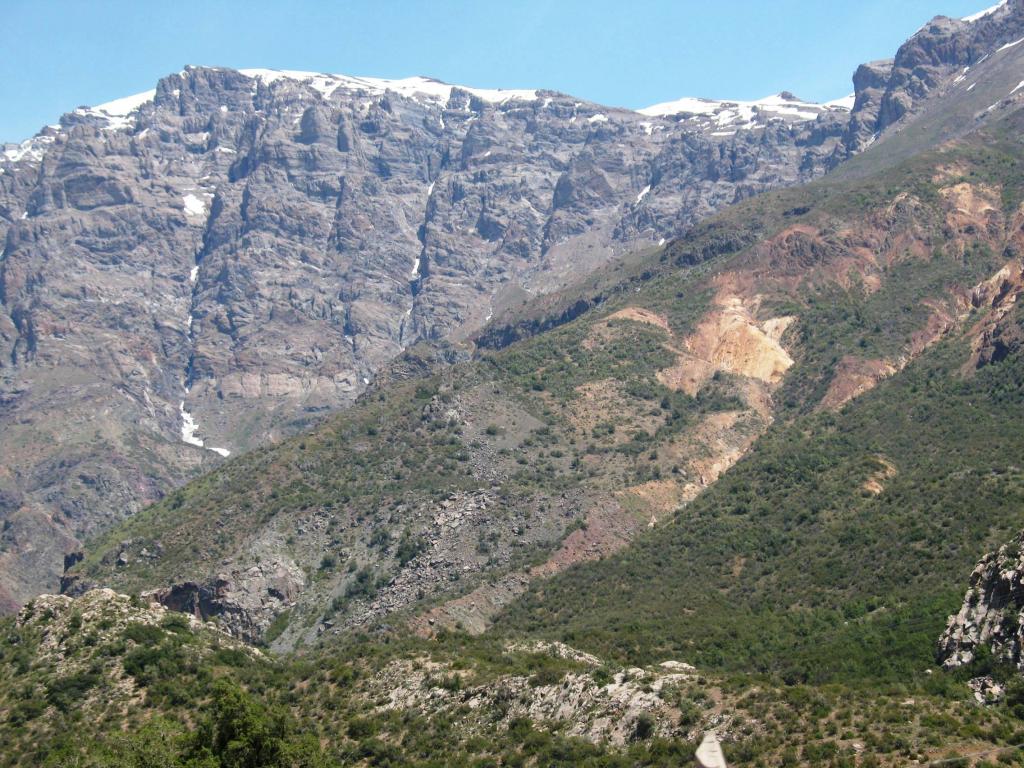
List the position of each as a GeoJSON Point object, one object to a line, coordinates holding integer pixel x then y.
{"type": "Point", "coordinates": [103, 680]}
{"type": "Point", "coordinates": [440, 500]}
{"type": "Point", "coordinates": [836, 549]}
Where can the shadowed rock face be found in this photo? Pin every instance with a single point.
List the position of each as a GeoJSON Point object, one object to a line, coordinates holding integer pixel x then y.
{"type": "Point", "coordinates": [215, 264]}
{"type": "Point", "coordinates": [240, 601]}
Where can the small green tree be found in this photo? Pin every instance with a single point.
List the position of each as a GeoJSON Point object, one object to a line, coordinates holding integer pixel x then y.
{"type": "Point", "coordinates": [239, 731]}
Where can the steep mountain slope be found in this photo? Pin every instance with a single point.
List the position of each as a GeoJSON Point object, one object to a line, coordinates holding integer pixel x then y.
{"type": "Point", "coordinates": [939, 55]}
{"type": "Point", "coordinates": [855, 345]}
{"type": "Point", "coordinates": [213, 264]}
{"type": "Point", "coordinates": [836, 549]}
{"type": "Point", "coordinates": [443, 499]}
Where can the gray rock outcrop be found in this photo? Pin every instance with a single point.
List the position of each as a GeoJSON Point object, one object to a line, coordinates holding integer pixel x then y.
{"type": "Point", "coordinates": [242, 602]}
{"type": "Point", "coordinates": [990, 616]}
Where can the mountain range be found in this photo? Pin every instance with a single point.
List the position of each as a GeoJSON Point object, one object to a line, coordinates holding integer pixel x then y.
{"type": "Point", "coordinates": [516, 429]}
{"type": "Point", "coordinates": [216, 264]}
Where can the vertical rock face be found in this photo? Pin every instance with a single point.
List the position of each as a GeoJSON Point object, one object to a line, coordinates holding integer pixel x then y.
{"type": "Point", "coordinates": [991, 611]}
{"type": "Point", "coordinates": [240, 601]}
{"type": "Point", "coordinates": [199, 269]}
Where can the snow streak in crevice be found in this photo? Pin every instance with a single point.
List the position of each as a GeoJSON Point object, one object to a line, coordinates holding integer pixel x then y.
{"type": "Point", "coordinates": [194, 206]}
{"type": "Point", "coordinates": [418, 271]}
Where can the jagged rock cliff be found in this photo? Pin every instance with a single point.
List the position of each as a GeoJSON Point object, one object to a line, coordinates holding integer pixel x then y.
{"type": "Point", "coordinates": [991, 612]}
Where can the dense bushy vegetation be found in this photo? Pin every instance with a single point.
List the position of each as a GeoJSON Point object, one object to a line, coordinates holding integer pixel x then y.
{"type": "Point", "coordinates": [185, 699]}
{"type": "Point", "coordinates": [235, 709]}
{"type": "Point", "coordinates": [817, 578]}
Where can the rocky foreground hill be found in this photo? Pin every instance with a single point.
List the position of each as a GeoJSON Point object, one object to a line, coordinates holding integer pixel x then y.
{"type": "Point", "coordinates": [989, 619]}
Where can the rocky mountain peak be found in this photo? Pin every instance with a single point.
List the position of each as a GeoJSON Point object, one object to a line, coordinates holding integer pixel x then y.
{"type": "Point", "coordinates": [888, 90]}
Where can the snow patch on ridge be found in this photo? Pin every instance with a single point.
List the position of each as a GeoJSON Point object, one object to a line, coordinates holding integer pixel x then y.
{"type": "Point", "coordinates": [846, 102]}
{"type": "Point", "coordinates": [418, 88]}
{"type": "Point", "coordinates": [982, 14]}
{"type": "Point", "coordinates": [741, 113]}
{"type": "Point", "coordinates": [696, 106]}
{"type": "Point", "coordinates": [126, 105]}
{"type": "Point", "coordinates": [32, 149]}
{"type": "Point", "coordinates": [117, 113]}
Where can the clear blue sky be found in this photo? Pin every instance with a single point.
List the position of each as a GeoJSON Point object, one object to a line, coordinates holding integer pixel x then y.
{"type": "Point", "coordinates": [59, 54]}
